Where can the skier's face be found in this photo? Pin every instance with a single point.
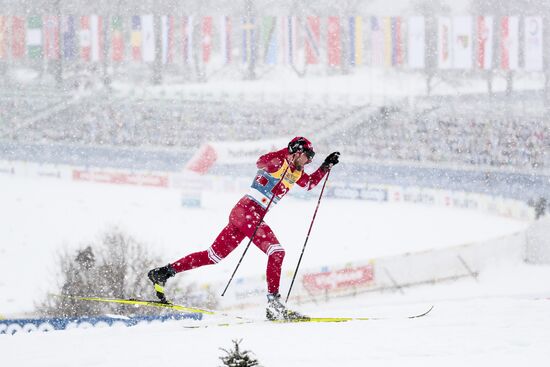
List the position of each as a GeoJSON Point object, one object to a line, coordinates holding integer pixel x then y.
{"type": "Point", "coordinates": [300, 160]}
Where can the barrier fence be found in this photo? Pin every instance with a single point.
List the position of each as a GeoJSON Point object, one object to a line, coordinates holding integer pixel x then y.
{"type": "Point", "coordinates": [14, 326]}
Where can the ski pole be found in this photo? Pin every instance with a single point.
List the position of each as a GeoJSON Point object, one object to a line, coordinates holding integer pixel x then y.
{"type": "Point", "coordinates": [255, 230]}
{"type": "Point", "coordinates": [307, 237]}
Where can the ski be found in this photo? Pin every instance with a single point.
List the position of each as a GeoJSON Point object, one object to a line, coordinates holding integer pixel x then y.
{"type": "Point", "coordinates": [141, 302]}
{"type": "Point", "coordinates": [311, 319]}
{"type": "Point", "coordinates": [239, 320]}
{"type": "Point", "coordinates": [346, 319]}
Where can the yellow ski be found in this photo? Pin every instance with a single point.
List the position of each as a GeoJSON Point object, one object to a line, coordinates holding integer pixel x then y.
{"type": "Point", "coordinates": [140, 302]}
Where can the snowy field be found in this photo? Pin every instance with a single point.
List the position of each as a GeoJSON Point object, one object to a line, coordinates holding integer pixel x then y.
{"type": "Point", "coordinates": [42, 217]}
{"type": "Point", "coordinates": [503, 319]}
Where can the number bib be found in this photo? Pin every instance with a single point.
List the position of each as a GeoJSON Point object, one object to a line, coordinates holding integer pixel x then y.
{"type": "Point", "coordinates": [265, 185]}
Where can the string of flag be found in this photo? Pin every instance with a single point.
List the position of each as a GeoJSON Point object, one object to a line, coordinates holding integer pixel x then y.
{"type": "Point", "coordinates": [463, 42]}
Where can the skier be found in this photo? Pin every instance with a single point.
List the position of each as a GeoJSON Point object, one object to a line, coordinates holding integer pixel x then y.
{"type": "Point", "coordinates": [277, 172]}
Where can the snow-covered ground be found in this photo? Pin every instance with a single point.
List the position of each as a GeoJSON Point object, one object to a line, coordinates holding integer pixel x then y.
{"type": "Point", "coordinates": [42, 217]}
{"type": "Point", "coordinates": [501, 320]}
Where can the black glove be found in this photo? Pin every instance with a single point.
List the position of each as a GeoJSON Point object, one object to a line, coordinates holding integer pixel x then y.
{"type": "Point", "coordinates": [330, 160]}
{"type": "Point", "coordinates": [297, 146]}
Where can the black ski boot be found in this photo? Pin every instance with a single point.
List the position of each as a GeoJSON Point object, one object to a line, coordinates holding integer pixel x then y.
{"type": "Point", "coordinates": [277, 311]}
{"type": "Point", "coordinates": [159, 276]}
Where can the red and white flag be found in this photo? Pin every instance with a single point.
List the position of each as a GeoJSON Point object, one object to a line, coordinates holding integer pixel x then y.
{"type": "Point", "coordinates": [18, 35]}
{"type": "Point", "coordinates": [509, 43]}
{"type": "Point", "coordinates": [444, 43]}
{"type": "Point", "coordinates": [84, 35]}
{"type": "Point", "coordinates": [334, 42]}
{"type": "Point", "coordinates": [312, 39]}
{"type": "Point", "coordinates": [117, 39]}
{"type": "Point", "coordinates": [206, 39]}
{"type": "Point", "coordinates": [484, 32]}
{"type": "Point", "coordinates": [51, 37]}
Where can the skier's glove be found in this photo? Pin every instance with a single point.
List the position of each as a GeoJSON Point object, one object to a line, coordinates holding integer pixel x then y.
{"type": "Point", "coordinates": [330, 160]}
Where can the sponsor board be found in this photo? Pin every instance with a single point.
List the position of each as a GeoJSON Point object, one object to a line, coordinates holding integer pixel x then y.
{"type": "Point", "coordinates": [48, 173]}
{"type": "Point", "coordinates": [363, 192]}
{"type": "Point", "coordinates": [339, 280]}
{"type": "Point", "coordinates": [374, 194]}
{"type": "Point", "coordinates": [121, 178]}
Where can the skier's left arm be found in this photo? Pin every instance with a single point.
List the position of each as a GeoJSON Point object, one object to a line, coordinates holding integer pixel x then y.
{"type": "Point", "coordinates": [310, 181]}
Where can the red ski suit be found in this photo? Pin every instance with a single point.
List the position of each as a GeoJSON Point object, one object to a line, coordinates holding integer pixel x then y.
{"type": "Point", "coordinates": [248, 212]}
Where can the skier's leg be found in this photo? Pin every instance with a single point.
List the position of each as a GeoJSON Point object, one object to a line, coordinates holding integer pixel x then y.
{"type": "Point", "coordinates": [266, 241]}
{"type": "Point", "coordinates": [228, 239]}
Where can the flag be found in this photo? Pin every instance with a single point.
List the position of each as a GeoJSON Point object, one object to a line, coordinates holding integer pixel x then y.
{"type": "Point", "coordinates": [462, 42]}
{"type": "Point", "coordinates": [51, 37]}
{"type": "Point", "coordinates": [444, 43]}
{"type": "Point", "coordinates": [167, 22]}
{"type": "Point", "coordinates": [290, 39]}
{"type": "Point", "coordinates": [376, 42]}
{"type": "Point", "coordinates": [416, 49]}
{"type": "Point", "coordinates": [533, 43]}
{"type": "Point", "coordinates": [484, 42]}
{"type": "Point", "coordinates": [187, 40]}
{"type": "Point", "coordinates": [509, 43]}
{"type": "Point", "coordinates": [225, 39]}
{"type": "Point", "coordinates": [3, 37]}
{"type": "Point", "coordinates": [388, 48]}
{"type": "Point", "coordinates": [206, 39]}
{"type": "Point", "coordinates": [269, 40]}
{"type": "Point", "coordinates": [34, 37]}
{"type": "Point", "coordinates": [334, 45]}
{"type": "Point", "coordinates": [69, 37]}
{"type": "Point", "coordinates": [356, 41]}
{"type": "Point", "coordinates": [148, 38]}
{"type": "Point", "coordinates": [117, 39]}
{"type": "Point", "coordinates": [85, 38]}
{"type": "Point", "coordinates": [249, 40]}
{"type": "Point", "coordinates": [18, 37]}
{"type": "Point", "coordinates": [96, 37]}
{"type": "Point", "coordinates": [135, 38]}
{"type": "Point", "coordinates": [312, 40]}
{"type": "Point", "coordinates": [396, 41]}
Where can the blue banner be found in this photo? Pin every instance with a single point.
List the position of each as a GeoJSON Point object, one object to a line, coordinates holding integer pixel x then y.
{"type": "Point", "coordinates": [63, 323]}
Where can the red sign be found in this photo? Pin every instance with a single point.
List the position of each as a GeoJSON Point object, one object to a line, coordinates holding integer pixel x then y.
{"type": "Point", "coordinates": [121, 178]}
{"type": "Point", "coordinates": [339, 279]}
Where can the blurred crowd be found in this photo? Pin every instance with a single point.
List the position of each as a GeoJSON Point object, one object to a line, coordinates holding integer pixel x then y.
{"type": "Point", "coordinates": [162, 123]}
{"type": "Point", "coordinates": [387, 135]}
{"type": "Point", "coordinates": [506, 141]}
